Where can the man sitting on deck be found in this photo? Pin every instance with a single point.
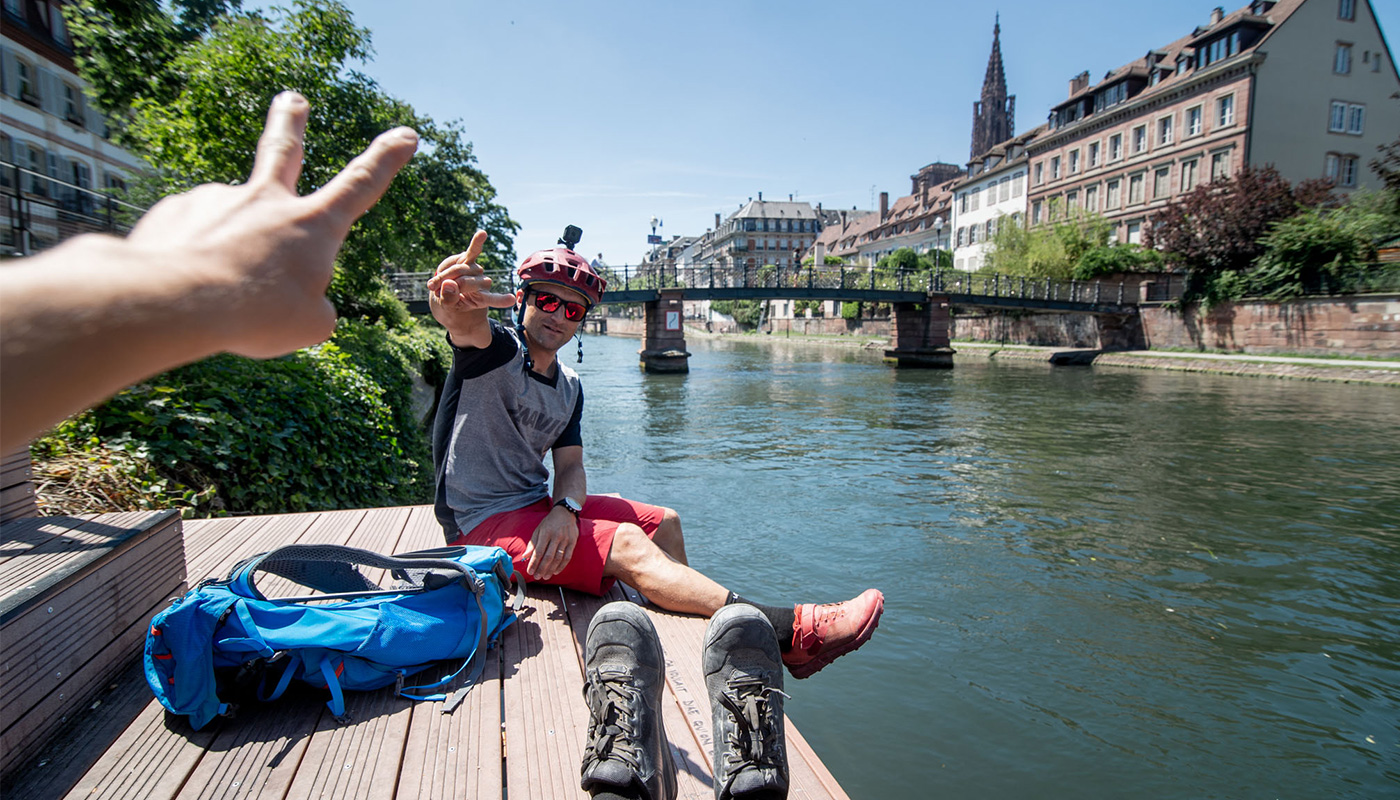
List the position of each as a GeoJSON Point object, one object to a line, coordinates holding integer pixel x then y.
{"type": "Point", "coordinates": [509, 401]}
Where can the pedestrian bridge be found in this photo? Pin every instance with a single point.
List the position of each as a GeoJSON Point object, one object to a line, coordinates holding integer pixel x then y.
{"type": "Point", "coordinates": [921, 300]}
{"type": "Point", "coordinates": [631, 285]}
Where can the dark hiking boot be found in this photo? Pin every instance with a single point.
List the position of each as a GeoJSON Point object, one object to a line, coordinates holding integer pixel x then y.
{"type": "Point", "coordinates": [823, 633]}
{"type": "Point", "coordinates": [744, 676]}
{"type": "Point", "coordinates": [627, 749]}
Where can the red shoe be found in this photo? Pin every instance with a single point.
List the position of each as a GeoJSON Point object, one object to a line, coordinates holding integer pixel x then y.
{"type": "Point", "coordinates": [823, 633]}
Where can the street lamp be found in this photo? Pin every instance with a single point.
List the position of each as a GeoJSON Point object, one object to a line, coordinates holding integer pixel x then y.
{"type": "Point", "coordinates": [937, 241]}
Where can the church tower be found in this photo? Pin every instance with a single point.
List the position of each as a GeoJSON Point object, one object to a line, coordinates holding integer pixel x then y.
{"type": "Point", "coordinates": [994, 116]}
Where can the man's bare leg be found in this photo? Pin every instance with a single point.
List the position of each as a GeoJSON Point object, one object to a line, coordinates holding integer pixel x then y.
{"type": "Point", "coordinates": [668, 537]}
{"type": "Point", "coordinates": [666, 580]}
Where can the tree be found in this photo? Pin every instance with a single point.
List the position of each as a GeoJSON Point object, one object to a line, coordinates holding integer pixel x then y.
{"type": "Point", "coordinates": [1214, 231]}
{"type": "Point", "coordinates": [1046, 251]}
{"type": "Point", "coordinates": [209, 72]}
{"type": "Point", "coordinates": [1387, 168]}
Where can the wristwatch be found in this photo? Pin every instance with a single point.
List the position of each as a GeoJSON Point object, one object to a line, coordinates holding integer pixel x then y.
{"type": "Point", "coordinates": [570, 503]}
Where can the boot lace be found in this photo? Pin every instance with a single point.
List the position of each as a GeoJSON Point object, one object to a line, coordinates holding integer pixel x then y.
{"type": "Point", "coordinates": [754, 738]}
{"type": "Point", "coordinates": [823, 616]}
{"type": "Point", "coordinates": [614, 732]}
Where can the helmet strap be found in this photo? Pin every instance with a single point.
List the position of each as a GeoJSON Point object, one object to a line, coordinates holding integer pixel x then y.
{"type": "Point", "coordinates": [579, 336]}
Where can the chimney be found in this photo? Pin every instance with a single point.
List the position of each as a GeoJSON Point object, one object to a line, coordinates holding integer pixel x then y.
{"type": "Point", "coordinates": [760, 197]}
{"type": "Point", "coordinates": [716, 220]}
{"type": "Point", "coordinates": [884, 205]}
{"type": "Point", "coordinates": [789, 198]}
{"type": "Point", "coordinates": [1079, 83]}
{"type": "Point", "coordinates": [1216, 15]}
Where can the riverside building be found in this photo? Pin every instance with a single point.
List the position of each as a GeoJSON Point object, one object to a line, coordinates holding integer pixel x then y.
{"type": "Point", "coordinates": [1304, 85]}
{"type": "Point", "coordinates": [56, 160]}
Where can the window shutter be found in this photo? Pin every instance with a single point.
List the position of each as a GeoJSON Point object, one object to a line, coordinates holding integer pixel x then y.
{"type": "Point", "coordinates": [9, 82]}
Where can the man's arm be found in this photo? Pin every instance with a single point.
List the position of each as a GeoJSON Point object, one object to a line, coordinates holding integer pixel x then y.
{"type": "Point", "coordinates": [552, 546]}
{"type": "Point", "coordinates": [221, 268]}
{"type": "Point", "coordinates": [458, 296]}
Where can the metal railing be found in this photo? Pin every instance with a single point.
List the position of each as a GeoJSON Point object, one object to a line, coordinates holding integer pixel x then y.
{"type": "Point", "coordinates": [832, 281]}
{"type": "Point", "coordinates": [38, 211]}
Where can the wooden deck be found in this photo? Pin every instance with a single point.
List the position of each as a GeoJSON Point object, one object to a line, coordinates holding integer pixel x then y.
{"type": "Point", "coordinates": [519, 734]}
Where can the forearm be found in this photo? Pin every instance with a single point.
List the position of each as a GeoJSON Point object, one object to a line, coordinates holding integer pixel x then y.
{"type": "Point", "coordinates": [82, 321]}
{"type": "Point", "coordinates": [571, 482]}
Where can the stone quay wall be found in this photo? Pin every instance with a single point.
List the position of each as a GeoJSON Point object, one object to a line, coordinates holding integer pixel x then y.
{"type": "Point", "coordinates": [1363, 325]}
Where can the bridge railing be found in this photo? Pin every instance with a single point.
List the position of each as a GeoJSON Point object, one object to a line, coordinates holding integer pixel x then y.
{"type": "Point", "coordinates": [412, 286]}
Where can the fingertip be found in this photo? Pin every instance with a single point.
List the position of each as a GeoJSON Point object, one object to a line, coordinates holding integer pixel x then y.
{"type": "Point", "coordinates": [290, 100]}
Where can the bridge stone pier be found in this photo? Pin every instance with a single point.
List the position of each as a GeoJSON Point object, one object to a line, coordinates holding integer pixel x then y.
{"type": "Point", "coordinates": [663, 344]}
{"type": "Point", "coordinates": [920, 334]}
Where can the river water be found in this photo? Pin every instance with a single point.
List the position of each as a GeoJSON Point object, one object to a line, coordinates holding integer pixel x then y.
{"type": "Point", "coordinates": [1099, 583]}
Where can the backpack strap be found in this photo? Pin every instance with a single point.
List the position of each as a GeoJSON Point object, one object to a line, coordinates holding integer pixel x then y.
{"type": "Point", "coordinates": [331, 569]}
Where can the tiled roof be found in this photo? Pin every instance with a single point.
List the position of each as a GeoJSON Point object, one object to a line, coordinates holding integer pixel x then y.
{"type": "Point", "coordinates": [771, 209]}
{"type": "Point", "coordinates": [1169, 54]}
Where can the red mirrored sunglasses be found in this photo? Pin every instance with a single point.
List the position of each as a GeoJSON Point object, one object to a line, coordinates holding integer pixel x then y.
{"type": "Point", "coordinates": [549, 303]}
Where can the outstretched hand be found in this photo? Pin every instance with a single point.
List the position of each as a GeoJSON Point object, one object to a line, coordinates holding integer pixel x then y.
{"type": "Point", "coordinates": [240, 268]}
{"type": "Point", "coordinates": [460, 284]}
{"type": "Point", "coordinates": [268, 251]}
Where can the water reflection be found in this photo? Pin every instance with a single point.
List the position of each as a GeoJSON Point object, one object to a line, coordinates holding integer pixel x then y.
{"type": "Point", "coordinates": [1106, 582]}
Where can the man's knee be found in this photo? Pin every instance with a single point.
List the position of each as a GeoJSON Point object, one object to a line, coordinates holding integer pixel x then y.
{"type": "Point", "coordinates": [631, 548]}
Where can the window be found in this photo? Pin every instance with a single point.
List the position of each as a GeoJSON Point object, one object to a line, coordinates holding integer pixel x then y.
{"type": "Point", "coordinates": [1220, 49]}
{"type": "Point", "coordinates": [1004, 189]}
{"type": "Point", "coordinates": [1135, 183]}
{"type": "Point", "coordinates": [1040, 173]}
{"type": "Point", "coordinates": [33, 160]}
{"type": "Point", "coordinates": [976, 199]}
{"type": "Point", "coordinates": [24, 72]}
{"type": "Point", "coordinates": [1356, 119]}
{"type": "Point", "coordinates": [1073, 162]}
{"type": "Point", "coordinates": [972, 233]}
{"type": "Point", "coordinates": [1347, 118]}
{"type": "Point", "coordinates": [7, 156]}
{"type": "Point", "coordinates": [1093, 154]}
{"type": "Point", "coordinates": [1139, 139]}
{"type": "Point", "coordinates": [1346, 9]}
{"type": "Point", "coordinates": [56, 26]}
{"type": "Point", "coordinates": [1164, 131]}
{"type": "Point", "coordinates": [1161, 183]}
{"type": "Point", "coordinates": [1091, 198]}
{"type": "Point", "coordinates": [1342, 63]}
{"type": "Point", "coordinates": [991, 228]}
{"type": "Point", "coordinates": [1337, 121]}
{"type": "Point", "coordinates": [1036, 209]}
{"type": "Point", "coordinates": [962, 203]}
{"type": "Point", "coordinates": [1330, 166]}
{"type": "Point", "coordinates": [1220, 165]}
{"type": "Point", "coordinates": [1193, 121]}
{"type": "Point", "coordinates": [1115, 147]}
{"type": "Point", "coordinates": [1016, 181]}
{"type": "Point", "coordinates": [1071, 200]}
{"type": "Point", "coordinates": [1135, 232]}
{"type": "Point", "coordinates": [1188, 175]}
{"type": "Point", "coordinates": [1348, 176]}
{"type": "Point", "coordinates": [962, 236]}
{"type": "Point", "coordinates": [15, 7]}
{"type": "Point", "coordinates": [1112, 196]}
{"type": "Point", "coordinates": [1225, 111]}
{"type": "Point", "coordinates": [1055, 168]}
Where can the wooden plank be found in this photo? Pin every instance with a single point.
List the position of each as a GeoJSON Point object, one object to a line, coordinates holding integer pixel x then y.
{"type": "Point", "coordinates": [457, 755]}
{"type": "Point", "coordinates": [23, 741]}
{"type": "Point", "coordinates": [545, 717]}
{"type": "Point", "coordinates": [21, 536]}
{"type": "Point", "coordinates": [53, 639]}
{"type": "Point", "coordinates": [68, 555]}
{"type": "Point", "coordinates": [78, 743]}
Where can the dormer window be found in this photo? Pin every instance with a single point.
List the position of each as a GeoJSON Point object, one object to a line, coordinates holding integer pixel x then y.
{"type": "Point", "coordinates": [1220, 49]}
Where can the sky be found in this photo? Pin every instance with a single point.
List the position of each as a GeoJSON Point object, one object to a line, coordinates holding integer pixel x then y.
{"type": "Point", "coordinates": [607, 114]}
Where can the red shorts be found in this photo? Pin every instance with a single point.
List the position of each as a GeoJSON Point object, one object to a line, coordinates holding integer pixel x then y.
{"type": "Point", "coordinates": [511, 531]}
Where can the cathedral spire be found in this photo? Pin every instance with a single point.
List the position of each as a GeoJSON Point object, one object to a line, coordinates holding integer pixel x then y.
{"type": "Point", "coordinates": [993, 116]}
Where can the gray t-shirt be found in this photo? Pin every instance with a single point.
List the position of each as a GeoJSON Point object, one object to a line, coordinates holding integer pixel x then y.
{"type": "Point", "coordinates": [495, 423]}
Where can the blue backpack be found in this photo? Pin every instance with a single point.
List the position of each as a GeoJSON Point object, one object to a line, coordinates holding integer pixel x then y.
{"type": "Point", "coordinates": [224, 643]}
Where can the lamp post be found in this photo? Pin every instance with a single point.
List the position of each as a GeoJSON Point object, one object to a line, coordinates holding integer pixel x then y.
{"type": "Point", "coordinates": [937, 242]}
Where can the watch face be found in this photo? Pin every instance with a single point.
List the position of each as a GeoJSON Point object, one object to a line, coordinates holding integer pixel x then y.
{"type": "Point", "coordinates": [571, 504]}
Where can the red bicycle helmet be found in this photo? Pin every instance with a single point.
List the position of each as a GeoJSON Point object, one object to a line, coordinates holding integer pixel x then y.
{"type": "Point", "coordinates": [562, 267]}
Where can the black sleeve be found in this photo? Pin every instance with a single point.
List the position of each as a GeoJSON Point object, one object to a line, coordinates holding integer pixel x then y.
{"type": "Point", "coordinates": [573, 432]}
{"type": "Point", "coordinates": [473, 362]}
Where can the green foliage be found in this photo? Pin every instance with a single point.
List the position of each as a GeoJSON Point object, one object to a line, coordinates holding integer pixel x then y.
{"type": "Point", "coordinates": [748, 313]}
{"type": "Point", "coordinates": [850, 310]}
{"type": "Point", "coordinates": [1324, 251]}
{"type": "Point", "coordinates": [1046, 251]}
{"type": "Point", "coordinates": [904, 258]}
{"type": "Point", "coordinates": [304, 432]}
{"type": "Point", "coordinates": [801, 307]}
{"type": "Point", "coordinates": [829, 260]}
{"type": "Point", "coordinates": [1115, 258]}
